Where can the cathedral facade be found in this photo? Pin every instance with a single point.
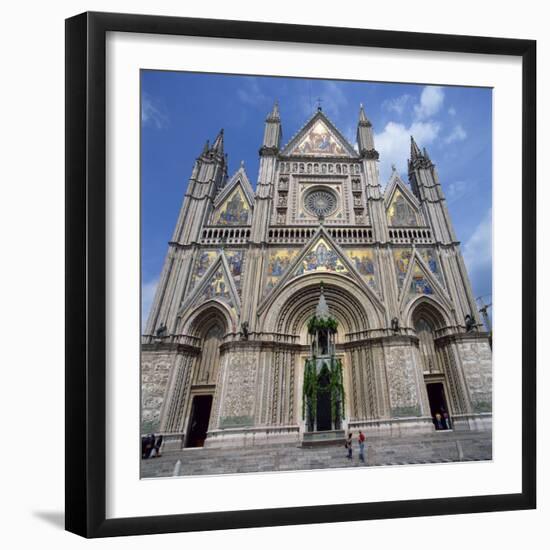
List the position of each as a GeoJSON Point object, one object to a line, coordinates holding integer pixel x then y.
{"type": "Point", "coordinates": [226, 343]}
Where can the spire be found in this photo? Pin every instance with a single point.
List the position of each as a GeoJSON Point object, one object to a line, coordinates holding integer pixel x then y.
{"type": "Point", "coordinates": [365, 137]}
{"type": "Point", "coordinates": [274, 116]}
{"type": "Point", "coordinates": [218, 143]}
{"type": "Point", "coordinates": [363, 120]}
{"type": "Point", "coordinates": [206, 147]}
{"type": "Point", "coordinates": [272, 132]}
{"type": "Point", "coordinates": [322, 311]}
{"type": "Point", "coordinates": [415, 150]}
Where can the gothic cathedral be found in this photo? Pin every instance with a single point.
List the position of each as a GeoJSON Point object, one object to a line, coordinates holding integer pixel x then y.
{"type": "Point", "coordinates": [318, 261]}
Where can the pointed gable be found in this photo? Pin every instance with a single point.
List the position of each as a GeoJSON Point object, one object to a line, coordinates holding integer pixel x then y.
{"type": "Point", "coordinates": [402, 208]}
{"type": "Point", "coordinates": [233, 206]}
{"type": "Point", "coordinates": [421, 281]}
{"type": "Point", "coordinates": [320, 255]}
{"type": "Point", "coordinates": [216, 284]}
{"type": "Point", "coordinates": [319, 138]}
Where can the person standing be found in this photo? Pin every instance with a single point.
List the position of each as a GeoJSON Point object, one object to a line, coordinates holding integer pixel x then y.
{"type": "Point", "coordinates": [361, 439]}
{"type": "Point", "coordinates": [349, 445]}
{"type": "Point", "coordinates": [158, 444]}
{"type": "Point", "coordinates": [438, 421]}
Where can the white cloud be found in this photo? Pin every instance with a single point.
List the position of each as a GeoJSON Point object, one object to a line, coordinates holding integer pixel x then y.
{"type": "Point", "coordinates": [431, 100]}
{"type": "Point", "coordinates": [478, 254]}
{"type": "Point", "coordinates": [452, 111]}
{"type": "Point", "coordinates": [458, 134]}
{"type": "Point", "coordinates": [394, 144]}
{"type": "Point", "coordinates": [151, 113]}
{"type": "Point", "coordinates": [456, 190]}
{"type": "Point", "coordinates": [148, 290]}
{"type": "Point", "coordinates": [251, 93]}
{"type": "Point", "coordinates": [397, 104]}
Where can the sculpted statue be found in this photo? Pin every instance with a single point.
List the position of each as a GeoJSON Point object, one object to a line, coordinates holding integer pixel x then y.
{"type": "Point", "coordinates": [244, 330]}
{"type": "Point", "coordinates": [395, 324]}
{"type": "Point", "coordinates": [470, 323]}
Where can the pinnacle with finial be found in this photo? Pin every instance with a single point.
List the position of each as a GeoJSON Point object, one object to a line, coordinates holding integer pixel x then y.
{"type": "Point", "coordinates": [217, 147]}
{"type": "Point", "coordinates": [274, 115]}
{"type": "Point", "coordinates": [415, 150]}
{"type": "Point", "coordinates": [322, 311]}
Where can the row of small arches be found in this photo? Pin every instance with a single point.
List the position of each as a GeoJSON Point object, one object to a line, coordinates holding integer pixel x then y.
{"type": "Point", "coordinates": [319, 168]}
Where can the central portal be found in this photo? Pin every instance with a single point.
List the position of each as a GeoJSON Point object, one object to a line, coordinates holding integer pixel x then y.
{"type": "Point", "coordinates": [323, 390]}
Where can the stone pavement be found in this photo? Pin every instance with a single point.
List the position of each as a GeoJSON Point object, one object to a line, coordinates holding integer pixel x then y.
{"type": "Point", "coordinates": [437, 447]}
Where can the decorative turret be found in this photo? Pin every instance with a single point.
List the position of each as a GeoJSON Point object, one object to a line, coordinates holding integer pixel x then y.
{"type": "Point", "coordinates": [365, 138]}
{"type": "Point", "coordinates": [425, 184]}
{"type": "Point", "coordinates": [217, 147]}
{"type": "Point", "coordinates": [272, 132]}
{"type": "Point", "coordinates": [415, 151]}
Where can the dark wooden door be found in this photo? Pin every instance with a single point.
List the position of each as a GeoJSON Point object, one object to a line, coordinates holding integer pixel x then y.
{"type": "Point", "coordinates": [198, 424]}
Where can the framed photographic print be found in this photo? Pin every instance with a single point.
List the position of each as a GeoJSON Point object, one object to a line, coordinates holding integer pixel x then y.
{"type": "Point", "coordinates": [300, 274]}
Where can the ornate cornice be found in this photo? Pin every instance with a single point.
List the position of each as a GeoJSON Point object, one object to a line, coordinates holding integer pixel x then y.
{"type": "Point", "coordinates": [370, 154]}
{"type": "Point", "coordinates": [266, 151]}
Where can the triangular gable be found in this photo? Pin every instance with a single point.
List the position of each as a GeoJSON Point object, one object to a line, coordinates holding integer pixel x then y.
{"type": "Point", "coordinates": [217, 284]}
{"type": "Point", "coordinates": [420, 281]}
{"type": "Point", "coordinates": [321, 255]}
{"type": "Point", "coordinates": [234, 210]}
{"type": "Point", "coordinates": [234, 204]}
{"type": "Point", "coordinates": [319, 137]}
{"type": "Point", "coordinates": [238, 178]}
{"type": "Point", "coordinates": [402, 207]}
{"type": "Point", "coordinates": [203, 261]}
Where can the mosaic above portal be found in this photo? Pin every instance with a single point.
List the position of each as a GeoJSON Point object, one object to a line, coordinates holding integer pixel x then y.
{"type": "Point", "coordinates": [217, 287]}
{"type": "Point", "coordinates": [402, 257]}
{"type": "Point", "coordinates": [419, 283]}
{"type": "Point", "coordinates": [428, 255]}
{"type": "Point", "coordinates": [204, 260]}
{"type": "Point", "coordinates": [321, 257]}
{"type": "Point", "coordinates": [235, 260]}
{"type": "Point", "coordinates": [278, 262]}
{"type": "Point", "coordinates": [319, 141]}
{"type": "Point", "coordinates": [400, 212]}
{"type": "Point", "coordinates": [364, 263]}
{"type": "Point", "coordinates": [234, 210]}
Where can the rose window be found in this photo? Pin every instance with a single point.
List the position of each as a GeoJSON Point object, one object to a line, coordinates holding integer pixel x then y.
{"type": "Point", "coordinates": [320, 202]}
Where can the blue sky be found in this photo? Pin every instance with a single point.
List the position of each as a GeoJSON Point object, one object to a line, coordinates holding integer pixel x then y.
{"type": "Point", "coordinates": [180, 111]}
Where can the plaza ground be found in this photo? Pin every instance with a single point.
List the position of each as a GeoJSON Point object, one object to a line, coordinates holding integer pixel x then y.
{"type": "Point", "coordinates": [437, 447]}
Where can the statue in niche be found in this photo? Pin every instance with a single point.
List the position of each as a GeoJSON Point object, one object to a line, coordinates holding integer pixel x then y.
{"type": "Point", "coordinates": [395, 324]}
{"type": "Point", "coordinates": [470, 323]}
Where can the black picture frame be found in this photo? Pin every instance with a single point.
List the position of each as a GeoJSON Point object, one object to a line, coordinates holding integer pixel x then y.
{"type": "Point", "coordinates": [86, 275]}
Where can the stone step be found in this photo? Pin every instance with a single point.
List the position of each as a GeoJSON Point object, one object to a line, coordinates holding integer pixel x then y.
{"type": "Point", "coordinates": [440, 447]}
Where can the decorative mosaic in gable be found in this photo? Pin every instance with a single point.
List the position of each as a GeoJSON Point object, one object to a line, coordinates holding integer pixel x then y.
{"type": "Point", "coordinates": [234, 210]}
{"type": "Point", "coordinates": [419, 284]}
{"type": "Point", "coordinates": [321, 257]}
{"type": "Point", "coordinates": [204, 260]}
{"type": "Point", "coordinates": [319, 141]}
{"type": "Point", "coordinates": [400, 212]}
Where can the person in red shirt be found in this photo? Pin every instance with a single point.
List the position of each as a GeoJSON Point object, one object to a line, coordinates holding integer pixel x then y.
{"type": "Point", "coordinates": [361, 438]}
